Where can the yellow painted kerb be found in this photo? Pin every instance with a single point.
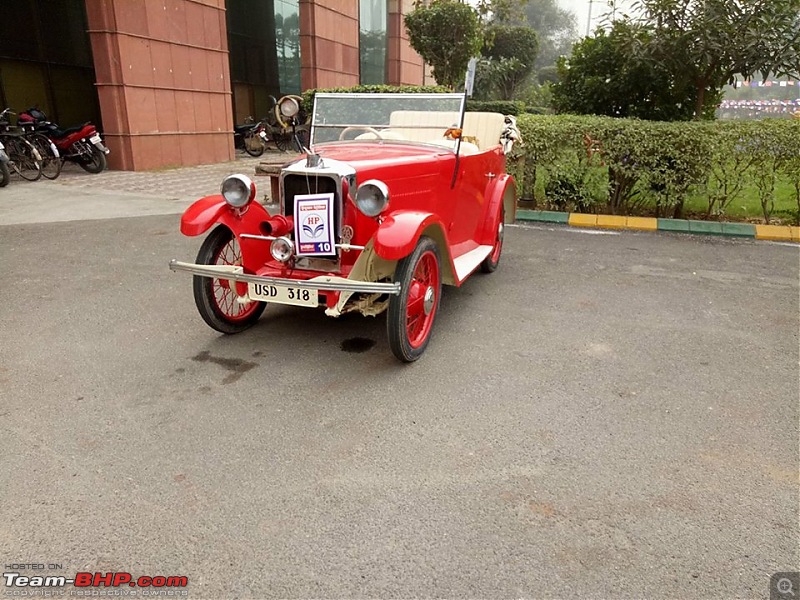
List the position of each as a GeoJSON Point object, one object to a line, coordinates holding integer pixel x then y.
{"type": "Point", "coordinates": [774, 232]}
{"type": "Point", "coordinates": [581, 220]}
{"type": "Point", "coordinates": [641, 223]}
{"type": "Point", "coordinates": [611, 221]}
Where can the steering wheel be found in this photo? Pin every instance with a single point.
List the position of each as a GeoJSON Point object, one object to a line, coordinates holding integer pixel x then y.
{"type": "Point", "coordinates": [359, 128]}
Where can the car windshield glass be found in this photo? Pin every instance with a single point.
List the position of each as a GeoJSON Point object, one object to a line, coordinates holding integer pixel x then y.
{"type": "Point", "coordinates": [392, 117]}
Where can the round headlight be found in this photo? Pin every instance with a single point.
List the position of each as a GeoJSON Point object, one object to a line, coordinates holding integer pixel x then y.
{"type": "Point", "coordinates": [289, 107]}
{"type": "Point", "coordinates": [372, 197]}
{"type": "Point", "coordinates": [282, 249]}
{"type": "Point", "coordinates": [238, 190]}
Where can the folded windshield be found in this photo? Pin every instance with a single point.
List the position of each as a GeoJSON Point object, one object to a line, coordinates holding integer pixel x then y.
{"type": "Point", "coordinates": [422, 118]}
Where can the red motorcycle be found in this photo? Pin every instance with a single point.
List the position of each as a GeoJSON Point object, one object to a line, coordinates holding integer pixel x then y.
{"type": "Point", "coordinates": [80, 144]}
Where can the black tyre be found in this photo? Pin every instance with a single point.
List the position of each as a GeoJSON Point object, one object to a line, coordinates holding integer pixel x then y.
{"type": "Point", "coordinates": [217, 301]}
{"type": "Point", "coordinates": [253, 144]}
{"type": "Point", "coordinates": [411, 314]}
{"type": "Point", "coordinates": [95, 163]}
{"type": "Point", "coordinates": [5, 174]}
{"type": "Point", "coordinates": [490, 263]}
{"type": "Point", "coordinates": [25, 160]}
{"type": "Point", "coordinates": [51, 161]}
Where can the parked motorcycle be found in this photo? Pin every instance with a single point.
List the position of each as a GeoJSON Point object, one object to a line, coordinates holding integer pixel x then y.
{"type": "Point", "coordinates": [250, 137]}
{"type": "Point", "coordinates": [80, 144]}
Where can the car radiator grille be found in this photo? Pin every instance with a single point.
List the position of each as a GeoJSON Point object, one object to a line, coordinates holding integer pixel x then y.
{"type": "Point", "coordinates": [294, 185]}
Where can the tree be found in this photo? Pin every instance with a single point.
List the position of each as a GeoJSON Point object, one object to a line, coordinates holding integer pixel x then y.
{"type": "Point", "coordinates": [446, 34]}
{"type": "Point", "coordinates": [556, 28]}
{"type": "Point", "coordinates": [708, 42]}
{"type": "Point", "coordinates": [510, 53]}
{"type": "Point", "coordinates": [603, 77]}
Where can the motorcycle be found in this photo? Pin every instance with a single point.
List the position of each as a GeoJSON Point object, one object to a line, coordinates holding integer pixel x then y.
{"type": "Point", "coordinates": [80, 144]}
{"type": "Point", "coordinates": [250, 137]}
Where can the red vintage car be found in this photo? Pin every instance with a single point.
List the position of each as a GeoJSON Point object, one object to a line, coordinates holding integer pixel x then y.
{"type": "Point", "coordinates": [397, 195]}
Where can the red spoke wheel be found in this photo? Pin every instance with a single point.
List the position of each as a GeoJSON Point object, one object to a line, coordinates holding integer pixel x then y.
{"type": "Point", "coordinates": [490, 263]}
{"type": "Point", "coordinates": [411, 314]}
{"type": "Point", "coordinates": [216, 300]}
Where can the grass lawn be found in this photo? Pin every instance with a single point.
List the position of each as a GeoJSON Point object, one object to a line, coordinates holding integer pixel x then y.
{"type": "Point", "coordinates": [746, 207]}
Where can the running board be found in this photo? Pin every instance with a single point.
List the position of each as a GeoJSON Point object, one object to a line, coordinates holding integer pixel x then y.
{"type": "Point", "coordinates": [469, 261]}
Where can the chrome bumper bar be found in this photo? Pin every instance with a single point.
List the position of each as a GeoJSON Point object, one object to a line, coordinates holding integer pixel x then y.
{"type": "Point", "coordinates": [322, 282]}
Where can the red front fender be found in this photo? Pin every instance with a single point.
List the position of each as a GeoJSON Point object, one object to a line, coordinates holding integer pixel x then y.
{"type": "Point", "coordinates": [208, 211]}
{"type": "Point", "coordinates": [397, 236]}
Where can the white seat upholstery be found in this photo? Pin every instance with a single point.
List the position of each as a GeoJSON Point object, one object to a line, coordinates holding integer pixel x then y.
{"type": "Point", "coordinates": [425, 126]}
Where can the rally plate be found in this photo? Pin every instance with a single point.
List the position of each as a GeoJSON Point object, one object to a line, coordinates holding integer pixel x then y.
{"type": "Point", "coordinates": [280, 294]}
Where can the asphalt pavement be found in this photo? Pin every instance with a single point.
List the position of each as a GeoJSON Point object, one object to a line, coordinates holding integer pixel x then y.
{"type": "Point", "coordinates": [609, 415]}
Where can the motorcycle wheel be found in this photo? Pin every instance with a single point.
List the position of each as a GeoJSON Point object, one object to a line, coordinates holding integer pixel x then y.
{"type": "Point", "coordinates": [96, 163]}
{"type": "Point", "coordinates": [5, 174]}
{"type": "Point", "coordinates": [253, 145]}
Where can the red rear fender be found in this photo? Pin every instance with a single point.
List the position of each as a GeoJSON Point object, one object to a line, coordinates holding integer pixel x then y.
{"type": "Point", "coordinates": [501, 192]}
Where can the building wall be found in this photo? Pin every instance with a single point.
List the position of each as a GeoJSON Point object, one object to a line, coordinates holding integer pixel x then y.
{"type": "Point", "coordinates": [404, 65]}
{"type": "Point", "coordinates": [163, 81]}
{"type": "Point", "coordinates": [329, 43]}
{"type": "Point", "coordinates": [163, 72]}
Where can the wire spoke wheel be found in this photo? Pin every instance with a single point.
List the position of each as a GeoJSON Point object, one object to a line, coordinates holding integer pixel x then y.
{"type": "Point", "coordinates": [24, 158]}
{"type": "Point", "coordinates": [489, 264]}
{"type": "Point", "coordinates": [218, 300]}
{"type": "Point", "coordinates": [51, 162]}
{"type": "Point", "coordinates": [411, 314]}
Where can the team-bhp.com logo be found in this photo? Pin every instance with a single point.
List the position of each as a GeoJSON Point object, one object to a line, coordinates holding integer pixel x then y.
{"type": "Point", "coordinates": [94, 580]}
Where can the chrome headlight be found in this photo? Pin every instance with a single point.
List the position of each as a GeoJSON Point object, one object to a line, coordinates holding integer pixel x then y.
{"type": "Point", "coordinates": [238, 190]}
{"type": "Point", "coordinates": [289, 107]}
{"type": "Point", "coordinates": [372, 197]}
{"type": "Point", "coordinates": [282, 249]}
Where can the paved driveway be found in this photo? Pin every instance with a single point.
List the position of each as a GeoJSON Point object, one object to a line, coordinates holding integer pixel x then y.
{"type": "Point", "coordinates": [605, 416]}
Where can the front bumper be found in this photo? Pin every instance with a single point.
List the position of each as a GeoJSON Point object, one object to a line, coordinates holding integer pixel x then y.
{"type": "Point", "coordinates": [321, 283]}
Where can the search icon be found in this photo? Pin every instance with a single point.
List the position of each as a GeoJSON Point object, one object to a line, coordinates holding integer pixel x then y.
{"type": "Point", "coordinates": [785, 586]}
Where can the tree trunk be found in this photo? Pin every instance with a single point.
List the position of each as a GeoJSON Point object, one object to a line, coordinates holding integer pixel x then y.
{"type": "Point", "coordinates": [701, 100]}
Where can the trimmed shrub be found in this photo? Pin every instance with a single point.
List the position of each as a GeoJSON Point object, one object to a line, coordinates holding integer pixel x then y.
{"type": "Point", "coordinates": [653, 167]}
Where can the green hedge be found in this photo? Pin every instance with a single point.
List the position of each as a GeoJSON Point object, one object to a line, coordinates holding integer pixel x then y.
{"type": "Point", "coordinates": [626, 166]}
{"type": "Point", "coordinates": [308, 95]}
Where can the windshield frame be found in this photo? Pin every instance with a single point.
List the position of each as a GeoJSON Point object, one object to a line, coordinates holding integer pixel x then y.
{"type": "Point", "coordinates": [458, 99]}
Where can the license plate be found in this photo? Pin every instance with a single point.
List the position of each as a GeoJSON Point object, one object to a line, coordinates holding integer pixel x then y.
{"type": "Point", "coordinates": [281, 294]}
{"type": "Point", "coordinates": [95, 139]}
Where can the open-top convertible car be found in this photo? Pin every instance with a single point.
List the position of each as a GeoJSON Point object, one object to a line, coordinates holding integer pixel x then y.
{"type": "Point", "coordinates": [397, 195]}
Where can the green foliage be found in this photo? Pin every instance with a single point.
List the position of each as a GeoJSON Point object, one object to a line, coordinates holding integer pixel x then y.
{"type": "Point", "coordinates": [446, 34]}
{"type": "Point", "coordinates": [706, 42]}
{"type": "Point", "coordinates": [506, 107]}
{"type": "Point", "coordinates": [626, 166]}
{"type": "Point", "coordinates": [509, 53]}
{"type": "Point", "coordinates": [603, 77]}
{"type": "Point", "coordinates": [556, 28]}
